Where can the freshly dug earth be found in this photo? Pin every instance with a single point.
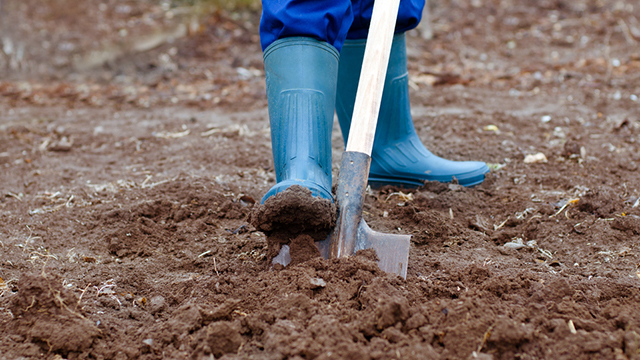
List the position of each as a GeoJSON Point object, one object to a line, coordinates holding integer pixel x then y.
{"type": "Point", "coordinates": [127, 190]}
{"type": "Point", "coordinates": [46, 314]}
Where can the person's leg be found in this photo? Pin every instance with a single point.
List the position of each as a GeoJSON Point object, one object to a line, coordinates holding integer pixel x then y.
{"type": "Point", "coordinates": [409, 16]}
{"type": "Point", "coordinates": [327, 21]}
{"type": "Point", "coordinates": [398, 156]}
{"type": "Point", "coordinates": [301, 41]}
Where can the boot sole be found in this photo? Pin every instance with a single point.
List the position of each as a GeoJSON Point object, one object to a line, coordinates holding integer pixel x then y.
{"type": "Point", "coordinates": [376, 182]}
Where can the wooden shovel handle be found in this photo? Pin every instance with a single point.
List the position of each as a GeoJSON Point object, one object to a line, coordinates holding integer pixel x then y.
{"type": "Point", "coordinates": [372, 76]}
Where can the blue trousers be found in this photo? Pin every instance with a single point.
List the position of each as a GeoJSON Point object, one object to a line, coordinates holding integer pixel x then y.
{"type": "Point", "coordinates": [332, 21]}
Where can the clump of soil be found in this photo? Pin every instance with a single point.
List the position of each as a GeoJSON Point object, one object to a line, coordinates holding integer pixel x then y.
{"type": "Point", "coordinates": [208, 329]}
{"type": "Point", "coordinates": [598, 202]}
{"type": "Point", "coordinates": [438, 227]}
{"type": "Point", "coordinates": [303, 248]}
{"type": "Point", "coordinates": [47, 314]}
{"type": "Point", "coordinates": [291, 213]}
{"type": "Point", "coordinates": [629, 224]}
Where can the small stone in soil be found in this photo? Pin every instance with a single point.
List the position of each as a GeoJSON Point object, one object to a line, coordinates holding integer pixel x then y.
{"type": "Point", "coordinates": [317, 283]}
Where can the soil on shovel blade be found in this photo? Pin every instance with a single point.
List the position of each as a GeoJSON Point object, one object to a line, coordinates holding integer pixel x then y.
{"type": "Point", "coordinates": [131, 173]}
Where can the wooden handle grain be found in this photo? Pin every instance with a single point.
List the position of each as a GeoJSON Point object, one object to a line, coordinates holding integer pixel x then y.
{"type": "Point", "coordinates": [372, 76]}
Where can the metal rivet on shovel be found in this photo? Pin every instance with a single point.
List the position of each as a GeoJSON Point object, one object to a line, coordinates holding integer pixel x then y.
{"type": "Point", "coordinates": [351, 232]}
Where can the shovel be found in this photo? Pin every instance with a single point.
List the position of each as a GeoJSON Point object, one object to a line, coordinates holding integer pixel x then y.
{"type": "Point", "coordinates": [351, 232]}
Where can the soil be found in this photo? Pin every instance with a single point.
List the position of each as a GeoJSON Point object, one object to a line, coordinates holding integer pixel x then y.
{"type": "Point", "coordinates": [294, 218]}
{"type": "Point", "coordinates": [128, 184]}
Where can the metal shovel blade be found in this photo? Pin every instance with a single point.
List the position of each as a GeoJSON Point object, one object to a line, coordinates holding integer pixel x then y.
{"type": "Point", "coordinates": [351, 232]}
{"type": "Point", "coordinates": [392, 249]}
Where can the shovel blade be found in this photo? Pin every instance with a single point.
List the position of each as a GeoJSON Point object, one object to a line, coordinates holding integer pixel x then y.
{"type": "Point", "coordinates": [392, 249]}
{"type": "Point", "coordinates": [351, 232]}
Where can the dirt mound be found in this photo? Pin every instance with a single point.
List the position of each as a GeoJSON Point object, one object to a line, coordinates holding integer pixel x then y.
{"type": "Point", "coordinates": [194, 330]}
{"type": "Point", "coordinates": [630, 225]}
{"type": "Point", "coordinates": [436, 227]}
{"type": "Point", "coordinates": [48, 315]}
{"type": "Point", "coordinates": [170, 213]}
{"type": "Point", "coordinates": [342, 304]}
{"type": "Point", "coordinates": [599, 202]}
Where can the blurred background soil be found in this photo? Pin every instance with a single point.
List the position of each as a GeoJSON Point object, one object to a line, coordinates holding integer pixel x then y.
{"type": "Point", "coordinates": [134, 142]}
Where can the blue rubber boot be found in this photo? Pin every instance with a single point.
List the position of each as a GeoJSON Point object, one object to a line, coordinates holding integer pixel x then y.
{"type": "Point", "coordinates": [301, 76]}
{"type": "Point", "coordinates": [398, 158]}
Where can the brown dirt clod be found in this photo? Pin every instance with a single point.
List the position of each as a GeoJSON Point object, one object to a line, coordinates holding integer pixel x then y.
{"type": "Point", "coordinates": [288, 214]}
{"type": "Point", "coordinates": [47, 314]}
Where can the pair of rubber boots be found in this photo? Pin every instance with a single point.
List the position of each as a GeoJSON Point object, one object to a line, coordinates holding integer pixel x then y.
{"type": "Point", "coordinates": [306, 80]}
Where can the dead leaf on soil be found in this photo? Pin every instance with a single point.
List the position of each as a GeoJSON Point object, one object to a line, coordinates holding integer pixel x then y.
{"type": "Point", "coordinates": [568, 203]}
{"type": "Point", "coordinates": [404, 197]}
{"type": "Point", "coordinates": [496, 167]}
{"type": "Point", "coordinates": [524, 213]}
{"type": "Point", "coordinates": [63, 145]}
{"type": "Point", "coordinates": [106, 288]}
{"type": "Point", "coordinates": [492, 128]}
{"type": "Point", "coordinates": [535, 158]}
{"type": "Point", "coordinates": [111, 187]}
{"type": "Point", "coordinates": [518, 243]}
{"type": "Point", "coordinates": [144, 184]}
{"type": "Point", "coordinates": [426, 79]}
{"type": "Point", "coordinates": [204, 253]}
{"type": "Point", "coordinates": [140, 302]}
{"type": "Point", "coordinates": [515, 245]}
{"type": "Point", "coordinates": [168, 135]}
{"type": "Point", "coordinates": [497, 227]}
{"type": "Point", "coordinates": [229, 131]}
{"type": "Point", "coordinates": [18, 196]}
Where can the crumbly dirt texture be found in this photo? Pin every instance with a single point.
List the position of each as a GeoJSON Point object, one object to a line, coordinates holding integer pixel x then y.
{"type": "Point", "coordinates": [296, 218]}
{"type": "Point", "coordinates": [134, 143]}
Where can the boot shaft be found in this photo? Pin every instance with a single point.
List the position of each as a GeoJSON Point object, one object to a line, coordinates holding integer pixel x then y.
{"type": "Point", "coordinates": [301, 77]}
{"type": "Point", "coordinates": [395, 122]}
